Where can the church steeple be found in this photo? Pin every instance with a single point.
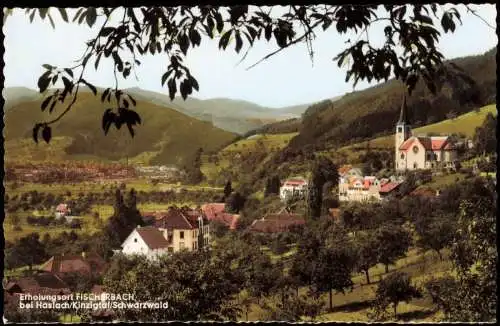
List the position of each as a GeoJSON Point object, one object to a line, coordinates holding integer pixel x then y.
{"type": "Point", "coordinates": [403, 115]}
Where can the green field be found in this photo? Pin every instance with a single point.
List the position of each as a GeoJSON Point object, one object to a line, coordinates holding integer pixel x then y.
{"type": "Point", "coordinates": [270, 141]}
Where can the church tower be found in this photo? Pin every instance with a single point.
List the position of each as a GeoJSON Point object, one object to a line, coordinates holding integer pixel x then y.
{"type": "Point", "coordinates": [403, 132]}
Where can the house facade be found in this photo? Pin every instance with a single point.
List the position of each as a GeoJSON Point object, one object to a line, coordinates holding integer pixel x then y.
{"type": "Point", "coordinates": [146, 241]}
{"type": "Point", "coordinates": [293, 187]}
{"type": "Point", "coordinates": [421, 152]}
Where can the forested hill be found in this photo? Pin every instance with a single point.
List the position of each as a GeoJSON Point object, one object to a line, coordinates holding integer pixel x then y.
{"type": "Point", "coordinates": [467, 83]}
{"type": "Point", "coordinates": [164, 137]}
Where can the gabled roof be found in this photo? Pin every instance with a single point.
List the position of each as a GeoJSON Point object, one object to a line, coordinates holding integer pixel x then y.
{"type": "Point", "coordinates": [38, 283]}
{"type": "Point", "coordinates": [62, 208]}
{"type": "Point", "coordinates": [179, 219]}
{"type": "Point", "coordinates": [295, 182]}
{"type": "Point", "coordinates": [212, 209]}
{"type": "Point", "coordinates": [153, 237]}
{"type": "Point", "coordinates": [274, 226]}
{"type": "Point", "coordinates": [389, 186]}
{"type": "Point", "coordinates": [429, 143]}
{"type": "Point", "coordinates": [75, 263]}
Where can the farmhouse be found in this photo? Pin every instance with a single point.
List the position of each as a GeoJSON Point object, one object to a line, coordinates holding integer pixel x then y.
{"type": "Point", "coordinates": [293, 187]}
{"type": "Point", "coordinates": [421, 152]}
{"type": "Point", "coordinates": [62, 210]}
{"type": "Point", "coordinates": [40, 283]}
{"type": "Point", "coordinates": [147, 241]}
{"type": "Point", "coordinates": [88, 264]}
{"type": "Point", "coordinates": [276, 223]}
{"type": "Point", "coordinates": [215, 212]}
{"type": "Point", "coordinates": [184, 228]}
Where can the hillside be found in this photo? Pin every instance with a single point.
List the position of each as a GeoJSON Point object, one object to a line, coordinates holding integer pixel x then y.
{"type": "Point", "coordinates": [15, 95]}
{"type": "Point", "coordinates": [233, 115]}
{"type": "Point", "coordinates": [165, 136]}
{"type": "Point", "coordinates": [466, 83]}
{"type": "Point", "coordinates": [464, 124]}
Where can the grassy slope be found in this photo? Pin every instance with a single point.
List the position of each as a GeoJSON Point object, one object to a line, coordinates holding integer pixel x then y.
{"type": "Point", "coordinates": [271, 142]}
{"type": "Point", "coordinates": [354, 306]}
{"type": "Point", "coordinates": [172, 136]}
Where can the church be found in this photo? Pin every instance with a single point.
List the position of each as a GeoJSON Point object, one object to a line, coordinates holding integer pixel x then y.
{"type": "Point", "coordinates": [421, 152]}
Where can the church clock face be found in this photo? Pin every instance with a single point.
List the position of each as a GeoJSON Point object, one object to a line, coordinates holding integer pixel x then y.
{"type": "Point", "coordinates": [415, 149]}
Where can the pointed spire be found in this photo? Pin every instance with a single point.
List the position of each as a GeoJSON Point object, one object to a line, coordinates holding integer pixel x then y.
{"type": "Point", "coordinates": [403, 116]}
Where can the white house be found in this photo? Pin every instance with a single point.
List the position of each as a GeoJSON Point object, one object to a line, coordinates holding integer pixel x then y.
{"type": "Point", "coordinates": [62, 210]}
{"type": "Point", "coordinates": [291, 187]}
{"type": "Point", "coordinates": [147, 241]}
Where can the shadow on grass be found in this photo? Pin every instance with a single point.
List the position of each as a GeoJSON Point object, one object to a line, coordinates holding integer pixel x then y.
{"type": "Point", "coordinates": [413, 315]}
{"type": "Point", "coordinates": [353, 306]}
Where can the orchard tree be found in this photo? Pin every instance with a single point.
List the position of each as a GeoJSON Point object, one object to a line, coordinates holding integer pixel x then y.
{"type": "Point", "coordinates": [410, 50]}
{"type": "Point", "coordinates": [366, 253]}
{"type": "Point", "coordinates": [485, 140]}
{"type": "Point", "coordinates": [394, 289]}
{"type": "Point", "coordinates": [436, 234]}
{"type": "Point", "coordinates": [228, 189]}
{"type": "Point", "coordinates": [392, 243]}
{"type": "Point", "coordinates": [323, 171]}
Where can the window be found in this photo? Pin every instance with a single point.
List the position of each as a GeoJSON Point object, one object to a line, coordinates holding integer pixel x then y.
{"type": "Point", "coordinates": [415, 149]}
{"type": "Point", "coordinates": [402, 156]}
{"type": "Point", "coordinates": [181, 245]}
{"type": "Point", "coordinates": [170, 249]}
{"type": "Point", "coordinates": [400, 129]}
{"type": "Point", "coordinates": [415, 165]}
{"type": "Point", "coordinates": [135, 239]}
{"type": "Point", "coordinates": [181, 234]}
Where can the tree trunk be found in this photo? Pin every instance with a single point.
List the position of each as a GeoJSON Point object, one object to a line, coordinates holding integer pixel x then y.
{"type": "Point", "coordinates": [367, 277]}
{"type": "Point", "coordinates": [297, 290]}
{"type": "Point", "coordinates": [386, 268]}
{"type": "Point", "coordinates": [395, 313]}
{"type": "Point", "coordinates": [330, 297]}
{"type": "Point", "coordinates": [440, 255]}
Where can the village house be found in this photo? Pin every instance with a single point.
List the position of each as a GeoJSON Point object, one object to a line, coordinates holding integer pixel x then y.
{"type": "Point", "coordinates": [38, 283]}
{"type": "Point", "coordinates": [62, 210]}
{"type": "Point", "coordinates": [353, 186]}
{"type": "Point", "coordinates": [86, 263]}
{"type": "Point", "coordinates": [276, 223]}
{"type": "Point", "coordinates": [167, 232]}
{"type": "Point", "coordinates": [185, 228]}
{"type": "Point", "coordinates": [421, 152]}
{"type": "Point", "coordinates": [293, 187]}
{"type": "Point", "coordinates": [147, 241]}
{"type": "Point", "coordinates": [216, 212]}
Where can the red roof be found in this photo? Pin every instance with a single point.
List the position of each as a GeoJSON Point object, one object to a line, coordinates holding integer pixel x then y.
{"type": "Point", "coordinates": [389, 186]}
{"type": "Point", "coordinates": [295, 182]}
{"type": "Point", "coordinates": [429, 143]}
{"type": "Point", "coordinates": [179, 218]}
{"type": "Point", "coordinates": [274, 226]}
{"type": "Point", "coordinates": [212, 209]}
{"type": "Point", "coordinates": [38, 283]}
{"type": "Point", "coordinates": [89, 263]}
{"type": "Point", "coordinates": [63, 208]}
{"type": "Point", "coordinates": [153, 237]}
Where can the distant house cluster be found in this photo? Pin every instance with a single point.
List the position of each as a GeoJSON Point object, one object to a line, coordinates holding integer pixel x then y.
{"type": "Point", "coordinates": [353, 186]}
{"type": "Point", "coordinates": [167, 232]}
{"type": "Point", "coordinates": [293, 187]}
{"type": "Point", "coordinates": [159, 172]}
{"type": "Point", "coordinates": [421, 152]}
{"type": "Point", "coordinates": [216, 212]}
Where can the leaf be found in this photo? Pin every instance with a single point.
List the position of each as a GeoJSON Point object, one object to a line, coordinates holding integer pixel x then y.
{"type": "Point", "coordinates": [52, 106]}
{"type": "Point", "coordinates": [224, 40]}
{"type": "Point", "coordinates": [239, 42]}
{"type": "Point", "coordinates": [165, 76]}
{"type": "Point", "coordinates": [43, 81]}
{"type": "Point", "coordinates": [183, 43]}
{"type": "Point", "coordinates": [194, 83]}
{"type": "Point", "coordinates": [219, 22]}
{"type": "Point", "coordinates": [130, 129]}
{"type": "Point", "coordinates": [125, 103]}
{"type": "Point", "coordinates": [45, 103]}
{"type": "Point", "coordinates": [91, 16]}
{"type": "Point", "coordinates": [69, 71]}
{"type": "Point", "coordinates": [43, 12]}
{"type": "Point", "coordinates": [132, 99]}
{"type": "Point", "coordinates": [36, 128]}
{"type": "Point", "coordinates": [67, 83]}
{"type": "Point", "coordinates": [77, 14]}
{"type": "Point", "coordinates": [48, 67]}
{"type": "Point", "coordinates": [92, 87]}
{"type": "Point", "coordinates": [268, 31]}
{"type": "Point", "coordinates": [54, 79]}
{"type": "Point", "coordinates": [63, 13]}
{"type": "Point", "coordinates": [172, 88]}
{"type": "Point", "coordinates": [107, 118]}
{"type": "Point", "coordinates": [194, 36]}
{"type": "Point", "coordinates": [106, 31]}
{"type": "Point", "coordinates": [51, 22]}
{"type": "Point", "coordinates": [47, 133]}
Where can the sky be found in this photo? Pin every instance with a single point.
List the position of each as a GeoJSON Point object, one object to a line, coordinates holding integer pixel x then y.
{"type": "Point", "coordinates": [288, 78]}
